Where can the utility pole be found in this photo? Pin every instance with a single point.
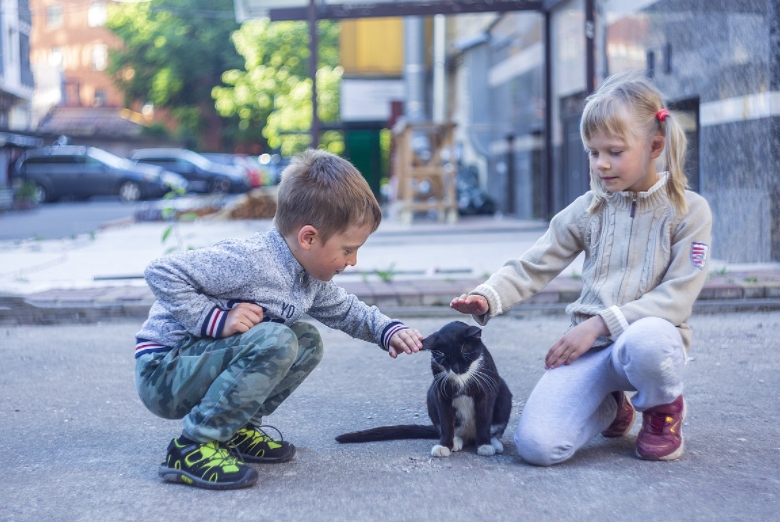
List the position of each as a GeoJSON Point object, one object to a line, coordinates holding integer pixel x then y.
{"type": "Point", "coordinates": [313, 44]}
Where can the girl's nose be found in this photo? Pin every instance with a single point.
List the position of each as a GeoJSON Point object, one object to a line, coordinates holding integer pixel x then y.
{"type": "Point", "coordinates": [602, 164]}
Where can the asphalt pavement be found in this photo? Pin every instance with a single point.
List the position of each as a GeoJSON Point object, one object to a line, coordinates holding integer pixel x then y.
{"type": "Point", "coordinates": [79, 446]}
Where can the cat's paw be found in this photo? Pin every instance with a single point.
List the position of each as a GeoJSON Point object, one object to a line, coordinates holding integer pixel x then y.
{"type": "Point", "coordinates": [497, 444]}
{"type": "Point", "coordinates": [486, 450]}
{"type": "Point", "coordinates": [440, 451]}
{"type": "Point", "coordinates": [457, 444]}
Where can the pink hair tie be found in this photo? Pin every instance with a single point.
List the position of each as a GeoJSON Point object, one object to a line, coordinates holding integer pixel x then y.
{"type": "Point", "coordinates": [662, 114]}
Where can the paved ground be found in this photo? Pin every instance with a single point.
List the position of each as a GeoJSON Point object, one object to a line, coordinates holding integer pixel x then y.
{"type": "Point", "coordinates": [77, 444]}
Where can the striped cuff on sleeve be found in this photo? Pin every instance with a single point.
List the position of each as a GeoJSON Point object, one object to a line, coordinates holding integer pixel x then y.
{"type": "Point", "coordinates": [143, 346]}
{"type": "Point", "coordinates": [390, 330]}
{"type": "Point", "coordinates": [214, 323]}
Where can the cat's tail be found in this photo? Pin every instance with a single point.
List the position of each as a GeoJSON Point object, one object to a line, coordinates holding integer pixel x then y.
{"type": "Point", "coordinates": [406, 431]}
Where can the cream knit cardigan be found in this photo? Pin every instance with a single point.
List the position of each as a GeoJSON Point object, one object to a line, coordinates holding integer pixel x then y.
{"type": "Point", "coordinates": [641, 260]}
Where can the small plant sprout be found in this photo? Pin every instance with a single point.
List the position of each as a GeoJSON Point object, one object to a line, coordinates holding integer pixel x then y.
{"type": "Point", "coordinates": [386, 275]}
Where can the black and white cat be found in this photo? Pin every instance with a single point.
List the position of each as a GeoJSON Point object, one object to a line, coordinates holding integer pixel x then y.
{"type": "Point", "coordinates": [467, 401]}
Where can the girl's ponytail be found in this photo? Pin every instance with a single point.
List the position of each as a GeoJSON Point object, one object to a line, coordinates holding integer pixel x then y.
{"type": "Point", "coordinates": [676, 143]}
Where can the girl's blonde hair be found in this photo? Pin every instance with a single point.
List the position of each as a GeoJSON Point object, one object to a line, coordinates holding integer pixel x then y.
{"type": "Point", "coordinates": [626, 107]}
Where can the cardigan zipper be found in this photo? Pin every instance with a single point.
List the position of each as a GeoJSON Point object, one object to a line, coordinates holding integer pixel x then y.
{"type": "Point", "coordinates": [633, 204]}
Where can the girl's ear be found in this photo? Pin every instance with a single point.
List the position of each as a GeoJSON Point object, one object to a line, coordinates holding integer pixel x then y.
{"type": "Point", "coordinates": [657, 146]}
{"type": "Point", "coordinates": [306, 237]}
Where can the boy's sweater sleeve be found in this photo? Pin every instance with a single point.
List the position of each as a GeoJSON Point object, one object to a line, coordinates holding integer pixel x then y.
{"type": "Point", "coordinates": [182, 283]}
{"type": "Point", "coordinates": [337, 308]}
{"type": "Point", "coordinates": [521, 278]}
{"type": "Point", "coordinates": [673, 298]}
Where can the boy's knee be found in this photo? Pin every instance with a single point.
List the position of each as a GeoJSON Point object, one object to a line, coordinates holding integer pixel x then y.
{"type": "Point", "coordinates": [271, 343]}
{"type": "Point", "coordinates": [309, 339]}
{"type": "Point", "coordinates": [540, 448]}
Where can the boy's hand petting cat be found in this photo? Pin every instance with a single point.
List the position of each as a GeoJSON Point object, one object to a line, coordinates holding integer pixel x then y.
{"type": "Point", "coordinates": [575, 342]}
{"type": "Point", "coordinates": [470, 304]}
{"type": "Point", "coordinates": [408, 340]}
{"type": "Point", "coordinates": [241, 318]}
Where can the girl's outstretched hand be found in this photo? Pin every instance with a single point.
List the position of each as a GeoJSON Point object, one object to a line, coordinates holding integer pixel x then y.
{"type": "Point", "coordinates": [470, 304]}
{"type": "Point", "coordinates": [575, 342]}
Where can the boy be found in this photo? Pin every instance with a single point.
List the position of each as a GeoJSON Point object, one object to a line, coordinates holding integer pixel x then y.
{"type": "Point", "coordinates": [223, 345]}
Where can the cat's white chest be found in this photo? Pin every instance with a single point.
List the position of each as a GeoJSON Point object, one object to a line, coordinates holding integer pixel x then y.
{"type": "Point", "coordinates": [464, 413]}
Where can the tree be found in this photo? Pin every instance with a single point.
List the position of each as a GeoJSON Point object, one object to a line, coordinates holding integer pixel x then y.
{"type": "Point", "coordinates": [174, 53]}
{"type": "Point", "coordinates": [273, 92]}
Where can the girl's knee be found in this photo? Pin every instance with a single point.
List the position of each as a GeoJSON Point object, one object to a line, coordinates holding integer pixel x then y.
{"type": "Point", "coordinates": [540, 448]}
{"type": "Point", "coordinates": [652, 337]}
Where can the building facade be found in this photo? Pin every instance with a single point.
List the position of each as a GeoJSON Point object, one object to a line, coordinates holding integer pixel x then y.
{"type": "Point", "coordinates": [69, 53]}
{"type": "Point", "coordinates": [717, 62]}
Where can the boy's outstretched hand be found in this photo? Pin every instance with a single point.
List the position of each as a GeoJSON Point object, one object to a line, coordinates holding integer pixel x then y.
{"type": "Point", "coordinates": [241, 318]}
{"type": "Point", "coordinates": [408, 340]}
{"type": "Point", "coordinates": [470, 304]}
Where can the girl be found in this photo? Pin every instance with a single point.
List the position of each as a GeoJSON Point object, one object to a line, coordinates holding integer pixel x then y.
{"type": "Point", "coordinates": [646, 240]}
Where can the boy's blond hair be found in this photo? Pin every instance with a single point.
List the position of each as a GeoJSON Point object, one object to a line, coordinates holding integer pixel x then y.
{"type": "Point", "coordinates": [629, 99]}
{"type": "Point", "coordinates": [327, 192]}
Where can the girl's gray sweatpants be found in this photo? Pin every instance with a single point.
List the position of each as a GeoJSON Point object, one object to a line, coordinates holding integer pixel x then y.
{"type": "Point", "coordinates": [572, 404]}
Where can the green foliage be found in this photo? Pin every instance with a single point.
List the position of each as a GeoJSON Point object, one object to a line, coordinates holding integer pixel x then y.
{"type": "Point", "coordinates": [156, 130]}
{"type": "Point", "coordinates": [273, 92]}
{"type": "Point", "coordinates": [174, 52]}
{"type": "Point", "coordinates": [388, 275]}
{"type": "Point", "coordinates": [26, 192]}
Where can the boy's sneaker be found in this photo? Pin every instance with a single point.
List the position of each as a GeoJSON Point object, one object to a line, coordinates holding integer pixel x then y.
{"type": "Point", "coordinates": [205, 465]}
{"type": "Point", "coordinates": [624, 418]}
{"type": "Point", "coordinates": [257, 447]}
{"type": "Point", "coordinates": [661, 435]}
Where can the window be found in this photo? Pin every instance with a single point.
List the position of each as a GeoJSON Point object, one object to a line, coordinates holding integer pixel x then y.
{"type": "Point", "coordinates": [100, 98]}
{"type": "Point", "coordinates": [99, 57]}
{"type": "Point", "coordinates": [97, 14]}
{"type": "Point", "coordinates": [55, 56]}
{"type": "Point", "coordinates": [54, 16]}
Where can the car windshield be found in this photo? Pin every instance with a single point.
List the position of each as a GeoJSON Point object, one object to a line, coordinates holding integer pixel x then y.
{"type": "Point", "coordinates": [109, 159]}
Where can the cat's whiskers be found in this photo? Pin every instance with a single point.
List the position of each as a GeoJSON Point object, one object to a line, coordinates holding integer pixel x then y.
{"type": "Point", "coordinates": [462, 379]}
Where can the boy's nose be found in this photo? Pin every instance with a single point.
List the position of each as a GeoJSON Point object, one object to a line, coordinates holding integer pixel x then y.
{"type": "Point", "coordinates": [352, 259]}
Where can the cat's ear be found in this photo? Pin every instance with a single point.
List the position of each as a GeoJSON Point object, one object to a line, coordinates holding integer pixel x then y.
{"type": "Point", "coordinates": [474, 332]}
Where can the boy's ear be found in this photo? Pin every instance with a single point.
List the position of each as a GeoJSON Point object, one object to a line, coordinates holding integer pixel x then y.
{"type": "Point", "coordinates": [306, 236]}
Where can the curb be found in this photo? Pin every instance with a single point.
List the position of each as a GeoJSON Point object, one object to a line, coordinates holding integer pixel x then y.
{"type": "Point", "coordinates": [420, 298]}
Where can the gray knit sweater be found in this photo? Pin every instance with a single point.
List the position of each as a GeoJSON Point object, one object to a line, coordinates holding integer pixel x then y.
{"type": "Point", "coordinates": [641, 260]}
{"type": "Point", "coordinates": [196, 289]}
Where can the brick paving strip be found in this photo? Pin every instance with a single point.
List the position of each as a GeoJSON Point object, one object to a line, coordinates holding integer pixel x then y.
{"type": "Point", "coordinates": [756, 290]}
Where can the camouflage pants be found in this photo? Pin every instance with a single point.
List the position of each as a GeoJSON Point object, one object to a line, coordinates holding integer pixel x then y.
{"type": "Point", "coordinates": [219, 385]}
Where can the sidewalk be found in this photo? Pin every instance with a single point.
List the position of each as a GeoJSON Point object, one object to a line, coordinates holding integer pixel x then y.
{"type": "Point", "coordinates": [413, 269]}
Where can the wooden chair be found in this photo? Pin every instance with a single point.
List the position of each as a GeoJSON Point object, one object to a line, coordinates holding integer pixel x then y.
{"type": "Point", "coordinates": [438, 170]}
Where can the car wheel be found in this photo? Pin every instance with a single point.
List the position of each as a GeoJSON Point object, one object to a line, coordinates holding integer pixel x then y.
{"type": "Point", "coordinates": [40, 195]}
{"type": "Point", "coordinates": [129, 191]}
{"type": "Point", "coordinates": [219, 186]}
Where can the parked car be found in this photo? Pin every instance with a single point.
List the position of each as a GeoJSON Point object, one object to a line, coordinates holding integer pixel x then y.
{"type": "Point", "coordinates": [247, 165]}
{"type": "Point", "coordinates": [82, 172]}
{"type": "Point", "coordinates": [202, 174]}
